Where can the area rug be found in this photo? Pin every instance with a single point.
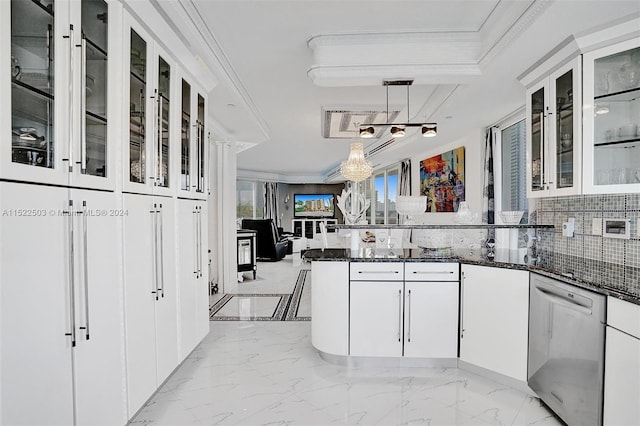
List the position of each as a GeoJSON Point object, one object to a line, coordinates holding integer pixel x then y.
{"type": "Point", "coordinates": [303, 283]}
{"type": "Point", "coordinates": [243, 312]}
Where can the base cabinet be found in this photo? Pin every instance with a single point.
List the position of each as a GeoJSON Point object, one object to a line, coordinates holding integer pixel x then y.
{"type": "Point", "coordinates": [330, 307]}
{"type": "Point", "coordinates": [622, 364]}
{"type": "Point", "coordinates": [494, 319]}
{"type": "Point", "coordinates": [62, 341]}
{"type": "Point", "coordinates": [192, 277]}
{"type": "Point", "coordinates": [150, 295]}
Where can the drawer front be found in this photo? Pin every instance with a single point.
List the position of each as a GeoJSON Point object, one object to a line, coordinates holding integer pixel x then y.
{"type": "Point", "coordinates": [625, 316]}
{"type": "Point", "coordinates": [377, 271]}
{"type": "Point", "coordinates": [431, 271]}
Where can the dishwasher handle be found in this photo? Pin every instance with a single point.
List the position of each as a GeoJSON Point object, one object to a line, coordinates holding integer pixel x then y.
{"type": "Point", "coordinates": [568, 300]}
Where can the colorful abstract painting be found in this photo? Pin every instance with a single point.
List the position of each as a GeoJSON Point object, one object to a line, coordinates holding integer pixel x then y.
{"type": "Point", "coordinates": [442, 181]}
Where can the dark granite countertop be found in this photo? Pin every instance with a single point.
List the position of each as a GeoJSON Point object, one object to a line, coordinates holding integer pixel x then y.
{"type": "Point", "coordinates": [469, 257]}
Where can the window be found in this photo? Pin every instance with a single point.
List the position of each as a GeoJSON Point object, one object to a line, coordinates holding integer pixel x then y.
{"type": "Point", "coordinates": [249, 199]}
{"type": "Point", "coordinates": [511, 191]}
{"type": "Point", "coordinates": [382, 189]}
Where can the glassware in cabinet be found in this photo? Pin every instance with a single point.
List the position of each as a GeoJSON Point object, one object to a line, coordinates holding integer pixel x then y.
{"type": "Point", "coordinates": [137, 108]}
{"type": "Point", "coordinates": [200, 146]}
{"type": "Point", "coordinates": [163, 100]}
{"type": "Point", "coordinates": [32, 83]}
{"type": "Point", "coordinates": [612, 118]}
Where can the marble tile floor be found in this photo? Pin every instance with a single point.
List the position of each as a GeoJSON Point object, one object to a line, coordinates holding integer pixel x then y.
{"type": "Point", "coordinates": [267, 373]}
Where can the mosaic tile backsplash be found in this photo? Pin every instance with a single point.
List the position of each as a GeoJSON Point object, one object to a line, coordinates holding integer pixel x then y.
{"type": "Point", "coordinates": [603, 261]}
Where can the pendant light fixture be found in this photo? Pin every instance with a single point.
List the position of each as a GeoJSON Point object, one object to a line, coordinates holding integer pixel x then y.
{"type": "Point", "coordinates": [398, 130]}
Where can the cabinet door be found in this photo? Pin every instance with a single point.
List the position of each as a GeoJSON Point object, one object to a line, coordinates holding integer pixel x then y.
{"type": "Point", "coordinates": [202, 284]}
{"type": "Point", "coordinates": [187, 274]}
{"type": "Point", "coordinates": [140, 298]}
{"type": "Point", "coordinates": [166, 307]}
{"type": "Point", "coordinates": [431, 319]}
{"type": "Point", "coordinates": [36, 137]}
{"type": "Point", "coordinates": [494, 319]}
{"type": "Point", "coordinates": [376, 316]}
{"type": "Point", "coordinates": [99, 365]}
{"type": "Point", "coordinates": [201, 153]}
{"type": "Point", "coordinates": [622, 379]}
{"type": "Point", "coordinates": [565, 135]}
{"type": "Point", "coordinates": [36, 306]}
{"type": "Point", "coordinates": [537, 129]}
{"type": "Point", "coordinates": [611, 123]}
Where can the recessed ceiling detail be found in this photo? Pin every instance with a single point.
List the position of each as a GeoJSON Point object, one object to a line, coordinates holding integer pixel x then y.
{"type": "Point", "coordinates": [344, 124]}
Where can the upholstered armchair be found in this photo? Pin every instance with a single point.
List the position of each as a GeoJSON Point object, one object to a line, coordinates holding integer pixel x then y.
{"type": "Point", "coordinates": [270, 245]}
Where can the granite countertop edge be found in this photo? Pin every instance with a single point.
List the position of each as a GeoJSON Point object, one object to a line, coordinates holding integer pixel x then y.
{"type": "Point", "coordinates": [344, 257]}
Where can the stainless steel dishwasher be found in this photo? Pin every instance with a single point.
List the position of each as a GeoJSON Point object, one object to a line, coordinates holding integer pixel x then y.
{"type": "Point", "coordinates": [566, 349]}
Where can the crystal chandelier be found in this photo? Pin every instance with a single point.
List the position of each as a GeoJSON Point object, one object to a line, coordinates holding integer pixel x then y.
{"type": "Point", "coordinates": [356, 168]}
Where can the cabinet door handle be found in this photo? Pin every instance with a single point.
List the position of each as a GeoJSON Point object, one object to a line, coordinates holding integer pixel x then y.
{"type": "Point", "coordinates": [542, 163]}
{"type": "Point", "coordinates": [83, 105]}
{"type": "Point", "coordinates": [378, 272]}
{"type": "Point", "coordinates": [154, 225]}
{"type": "Point", "coordinates": [72, 290]}
{"type": "Point", "coordinates": [195, 242]}
{"type": "Point", "coordinates": [462, 305]}
{"type": "Point", "coordinates": [433, 272]}
{"type": "Point", "coordinates": [200, 242]}
{"type": "Point", "coordinates": [159, 173]}
{"type": "Point", "coordinates": [85, 240]}
{"type": "Point", "coordinates": [71, 99]}
{"type": "Point", "coordinates": [409, 316]}
{"type": "Point", "coordinates": [161, 254]}
{"type": "Point", "coordinates": [399, 315]}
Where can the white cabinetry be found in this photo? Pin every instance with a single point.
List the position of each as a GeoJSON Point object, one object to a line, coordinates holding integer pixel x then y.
{"type": "Point", "coordinates": [58, 118]}
{"type": "Point", "coordinates": [494, 319]}
{"type": "Point", "coordinates": [62, 343]}
{"type": "Point", "coordinates": [622, 364]}
{"type": "Point", "coordinates": [192, 276]}
{"type": "Point", "coordinates": [150, 295]}
{"type": "Point", "coordinates": [408, 311]}
{"type": "Point", "coordinates": [554, 133]}
{"type": "Point", "coordinates": [612, 118]}
{"type": "Point", "coordinates": [309, 228]}
{"type": "Point", "coordinates": [330, 307]}
{"type": "Point", "coordinates": [431, 310]}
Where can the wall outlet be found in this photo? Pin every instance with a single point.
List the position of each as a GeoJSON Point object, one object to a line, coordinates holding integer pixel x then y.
{"type": "Point", "coordinates": [596, 226]}
{"type": "Point", "coordinates": [568, 227]}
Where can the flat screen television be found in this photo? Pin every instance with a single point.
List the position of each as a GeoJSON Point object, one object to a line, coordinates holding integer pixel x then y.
{"type": "Point", "coordinates": [314, 206]}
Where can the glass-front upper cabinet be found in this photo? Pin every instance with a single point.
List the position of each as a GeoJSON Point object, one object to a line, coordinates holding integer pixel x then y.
{"type": "Point", "coordinates": [612, 118]}
{"type": "Point", "coordinates": [201, 147]}
{"type": "Point", "coordinates": [150, 87]}
{"type": "Point", "coordinates": [57, 113]}
{"type": "Point", "coordinates": [185, 137]}
{"type": "Point", "coordinates": [553, 133]}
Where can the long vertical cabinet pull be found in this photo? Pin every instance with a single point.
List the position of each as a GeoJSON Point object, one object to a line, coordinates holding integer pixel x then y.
{"type": "Point", "coordinates": [161, 251]}
{"type": "Point", "coordinates": [72, 291]}
{"type": "Point", "coordinates": [399, 315]}
{"type": "Point", "coordinates": [141, 137]}
{"type": "Point", "coordinates": [543, 173]}
{"type": "Point", "coordinates": [159, 174]}
{"type": "Point", "coordinates": [195, 240]}
{"type": "Point", "coordinates": [83, 105]}
{"type": "Point", "coordinates": [154, 224]}
{"type": "Point", "coordinates": [154, 161]}
{"type": "Point", "coordinates": [409, 316]}
{"type": "Point", "coordinates": [462, 305]}
{"type": "Point", "coordinates": [199, 242]}
{"type": "Point", "coordinates": [71, 99]}
{"type": "Point", "coordinates": [85, 269]}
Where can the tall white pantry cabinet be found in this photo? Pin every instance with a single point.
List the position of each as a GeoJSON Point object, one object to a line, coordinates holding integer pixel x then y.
{"type": "Point", "coordinates": [103, 219]}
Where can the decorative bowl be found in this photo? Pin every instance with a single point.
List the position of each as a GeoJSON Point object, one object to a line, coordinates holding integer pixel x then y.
{"type": "Point", "coordinates": [411, 205]}
{"type": "Point", "coordinates": [511, 217]}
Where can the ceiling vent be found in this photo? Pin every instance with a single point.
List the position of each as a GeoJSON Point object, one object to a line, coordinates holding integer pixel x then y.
{"type": "Point", "coordinates": [344, 124]}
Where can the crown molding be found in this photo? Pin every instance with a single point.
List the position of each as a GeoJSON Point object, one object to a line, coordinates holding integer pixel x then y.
{"type": "Point", "coordinates": [186, 15]}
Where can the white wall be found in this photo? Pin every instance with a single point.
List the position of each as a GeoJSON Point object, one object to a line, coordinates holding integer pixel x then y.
{"type": "Point", "coordinates": [473, 169]}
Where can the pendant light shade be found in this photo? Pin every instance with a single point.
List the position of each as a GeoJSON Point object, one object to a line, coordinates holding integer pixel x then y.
{"type": "Point", "coordinates": [397, 132]}
{"type": "Point", "coordinates": [356, 168]}
{"type": "Point", "coordinates": [367, 132]}
{"type": "Point", "coordinates": [429, 130]}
